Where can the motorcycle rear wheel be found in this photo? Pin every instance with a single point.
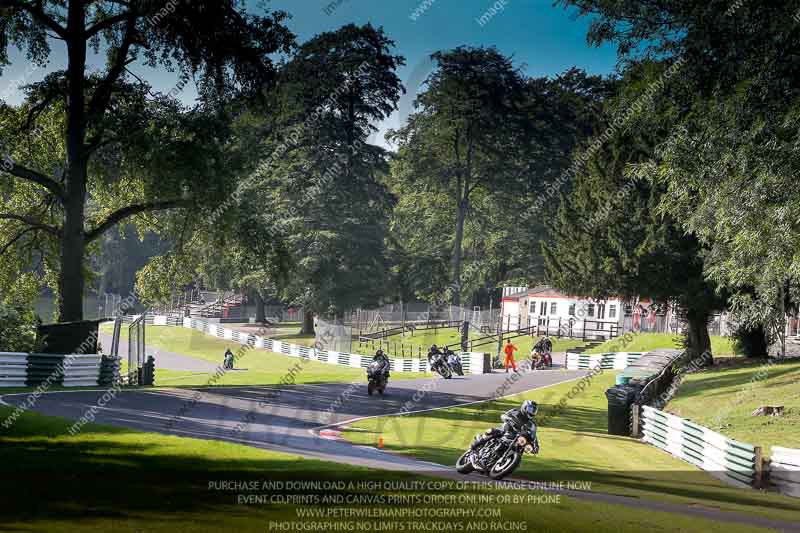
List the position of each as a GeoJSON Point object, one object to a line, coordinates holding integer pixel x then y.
{"type": "Point", "coordinates": [505, 466]}
{"type": "Point", "coordinates": [464, 463]}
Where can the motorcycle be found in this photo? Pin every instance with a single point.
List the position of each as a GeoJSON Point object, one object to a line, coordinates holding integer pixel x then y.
{"type": "Point", "coordinates": [454, 362]}
{"type": "Point", "coordinates": [542, 360]}
{"type": "Point", "coordinates": [227, 363]}
{"type": "Point", "coordinates": [498, 457]}
{"type": "Point", "coordinates": [376, 378]}
{"type": "Point", "coordinates": [439, 365]}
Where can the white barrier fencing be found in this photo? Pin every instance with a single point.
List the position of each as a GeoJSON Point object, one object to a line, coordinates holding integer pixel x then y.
{"type": "Point", "coordinates": [155, 320]}
{"type": "Point", "coordinates": [71, 370]}
{"type": "Point", "coordinates": [472, 362]}
{"type": "Point", "coordinates": [731, 461]}
{"type": "Point", "coordinates": [606, 361]}
{"type": "Point", "coordinates": [784, 470]}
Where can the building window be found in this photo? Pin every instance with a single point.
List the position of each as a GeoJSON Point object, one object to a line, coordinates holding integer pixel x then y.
{"type": "Point", "coordinates": [543, 309]}
{"type": "Point", "coordinates": [553, 307]}
{"type": "Point", "coordinates": [571, 309]}
{"type": "Point", "coordinates": [601, 311]}
{"type": "Point", "coordinates": [612, 311]}
{"type": "Point", "coordinates": [533, 307]}
{"type": "Point", "coordinates": [590, 310]}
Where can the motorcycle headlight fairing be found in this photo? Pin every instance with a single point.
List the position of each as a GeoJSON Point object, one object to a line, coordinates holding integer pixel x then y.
{"type": "Point", "coordinates": [522, 441]}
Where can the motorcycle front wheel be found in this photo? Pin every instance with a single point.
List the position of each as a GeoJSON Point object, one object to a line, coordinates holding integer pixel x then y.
{"type": "Point", "coordinates": [464, 463]}
{"type": "Point", "coordinates": [505, 465]}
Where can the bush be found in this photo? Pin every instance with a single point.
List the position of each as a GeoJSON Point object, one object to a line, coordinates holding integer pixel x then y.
{"type": "Point", "coordinates": [750, 341]}
{"type": "Point", "coordinates": [17, 329]}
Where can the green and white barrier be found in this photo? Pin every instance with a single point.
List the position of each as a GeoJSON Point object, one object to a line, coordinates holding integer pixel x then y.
{"type": "Point", "coordinates": [69, 370]}
{"type": "Point", "coordinates": [784, 470]}
{"type": "Point", "coordinates": [606, 361]}
{"type": "Point", "coordinates": [472, 362]}
{"type": "Point", "coordinates": [726, 459]}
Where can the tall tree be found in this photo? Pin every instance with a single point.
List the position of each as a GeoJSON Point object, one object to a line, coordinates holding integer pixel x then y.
{"type": "Point", "coordinates": [468, 133]}
{"type": "Point", "coordinates": [501, 230]}
{"type": "Point", "coordinates": [217, 39]}
{"type": "Point", "coordinates": [729, 160]}
{"type": "Point", "coordinates": [609, 238]}
{"type": "Point", "coordinates": [330, 204]}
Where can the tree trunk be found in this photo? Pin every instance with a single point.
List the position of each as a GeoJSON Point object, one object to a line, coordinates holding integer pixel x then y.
{"type": "Point", "coordinates": [73, 247]}
{"type": "Point", "coordinates": [260, 313]}
{"type": "Point", "coordinates": [698, 341]}
{"type": "Point", "coordinates": [308, 323]}
{"type": "Point", "coordinates": [73, 244]}
{"type": "Point", "coordinates": [455, 287]}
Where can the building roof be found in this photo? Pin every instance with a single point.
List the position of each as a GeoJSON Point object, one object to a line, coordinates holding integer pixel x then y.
{"type": "Point", "coordinates": [544, 291]}
{"type": "Point", "coordinates": [540, 290]}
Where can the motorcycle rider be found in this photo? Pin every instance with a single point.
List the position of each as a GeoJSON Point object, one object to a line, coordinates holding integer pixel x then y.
{"type": "Point", "coordinates": [381, 358]}
{"type": "Point", "coordinates": [543, 346]}
{"type": "Point", "coordinates": [227, 362]}
{"type": "Point", "coordinates": [520, 419]}
{"type": "Point", "coordinates": [434, 356]}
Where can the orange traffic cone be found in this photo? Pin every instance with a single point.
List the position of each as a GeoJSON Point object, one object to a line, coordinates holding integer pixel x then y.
{"type": "Point", "coordinates": [380, 442]}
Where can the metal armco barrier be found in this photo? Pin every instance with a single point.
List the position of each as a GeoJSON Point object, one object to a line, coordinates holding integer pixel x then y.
{"type": "Point", "coordinates": [784, 471]}
{"type": "Point", "coordinates": [70, 370]}
{"type": "Point", "coordinates": [472, 362]}
{"type": "Point", "coordinates": [606, 361]}
{"type": "Point", "coordinates": [733, 462]}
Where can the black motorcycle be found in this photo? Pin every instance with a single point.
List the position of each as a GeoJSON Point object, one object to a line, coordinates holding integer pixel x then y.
{"type": "Point", "coordinates": [497, 457]}
{"type": "Point", "coordinates": [377, 378]}
{"type": "Point", "coordinates": [454, 362]}
{"type": "Point", "coordinates": [227, 362]}
{"type": "Point", "coordinates": [439, 365]}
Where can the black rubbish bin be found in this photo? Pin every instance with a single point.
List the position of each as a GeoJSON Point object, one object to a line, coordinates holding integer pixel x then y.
{"type": "Point", "coordinates": [620, 398]}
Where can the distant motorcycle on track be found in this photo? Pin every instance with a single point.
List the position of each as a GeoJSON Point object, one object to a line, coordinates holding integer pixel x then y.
{"type": "Point", "coordinates": [378, 374]}
{"type": "Point", "coordinates": [454, 361]}
{"type": "Point", "coordinates": [438, 363]}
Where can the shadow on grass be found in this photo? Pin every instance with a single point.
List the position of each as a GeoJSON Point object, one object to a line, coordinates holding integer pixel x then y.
{"type": "Point", "coordinates": [117, 474]}
{"type": "Point", "coordinates": [698, 486]}
{"type": "Point", "coordinates": [737, 378]}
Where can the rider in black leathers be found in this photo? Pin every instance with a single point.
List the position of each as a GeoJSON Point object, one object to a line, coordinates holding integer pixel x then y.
{"type": "Point", "coordinates": [544, 345]}
{"type": "Point", "coordinates": [519, 420]}
{"type": "Point", "coordinates": [434, 353]}
{"type": "Point", "coordinates": [383, 360]}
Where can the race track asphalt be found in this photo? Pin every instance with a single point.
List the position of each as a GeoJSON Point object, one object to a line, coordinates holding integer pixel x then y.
{"type": "Point", "coordinates": [284, 417]}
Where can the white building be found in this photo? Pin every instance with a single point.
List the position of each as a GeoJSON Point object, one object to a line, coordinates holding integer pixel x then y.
{"type": "Point", "coordinates": [547, 310]}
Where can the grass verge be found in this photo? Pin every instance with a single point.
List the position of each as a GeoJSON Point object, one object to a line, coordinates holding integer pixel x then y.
{"type": "Point", "coordinates": [644, 342]}
{"type": "Point", "coordinates": [723, 397]}
{"type": "Point", "coordinates": [254, 366]}
{"type": "Point", "coordinates": [575, 445]}
{"type": "Point", "coordinates": [108, 478]}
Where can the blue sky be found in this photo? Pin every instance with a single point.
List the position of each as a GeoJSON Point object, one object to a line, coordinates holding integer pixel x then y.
{"type": "Point", "coordinates": [543, 40]}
